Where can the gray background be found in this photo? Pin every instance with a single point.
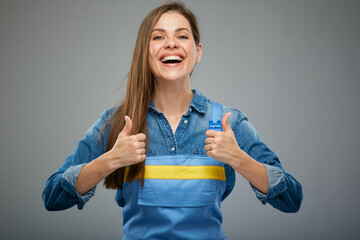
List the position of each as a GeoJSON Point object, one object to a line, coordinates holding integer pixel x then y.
{"type": "Point", "coordinates": [292, 66]}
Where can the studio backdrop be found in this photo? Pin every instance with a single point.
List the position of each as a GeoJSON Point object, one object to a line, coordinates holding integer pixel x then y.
{"type": "Point", "coordinates": [292, 66]}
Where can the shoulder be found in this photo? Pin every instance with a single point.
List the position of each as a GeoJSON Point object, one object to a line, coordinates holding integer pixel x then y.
{"type": "Point", "coordinates": [236, 115]}
{"type": "Point", "coordinates": [108, 113]}
{"type": "Point", "coordinates": [202, 103]}
{"type": "Point", "coordinates": [238, 120]}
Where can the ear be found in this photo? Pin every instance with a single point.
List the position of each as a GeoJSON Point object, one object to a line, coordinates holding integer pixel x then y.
{"type": "Point", "coordinates": [199, 52]}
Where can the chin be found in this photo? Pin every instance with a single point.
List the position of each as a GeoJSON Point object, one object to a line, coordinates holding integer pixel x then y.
{"type": "Point", "coordinates": [173, 78]}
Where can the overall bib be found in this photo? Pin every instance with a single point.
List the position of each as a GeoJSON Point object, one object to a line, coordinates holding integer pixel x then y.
{"type": "Point", "coordinates": [181, 196]}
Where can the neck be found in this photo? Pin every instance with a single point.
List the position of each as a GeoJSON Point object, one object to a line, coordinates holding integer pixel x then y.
{"type": "Point", "coordinates": [172, 98]}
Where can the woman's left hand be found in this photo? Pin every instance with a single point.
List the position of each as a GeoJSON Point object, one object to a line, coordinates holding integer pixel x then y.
{"type": "Point", "coordinates": [222, 145]}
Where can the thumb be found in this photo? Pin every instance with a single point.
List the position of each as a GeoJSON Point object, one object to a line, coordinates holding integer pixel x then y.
{"type": "Point", "coordinates": [225, 123]}
{"type": "Point", "coordinates": [127, 128]}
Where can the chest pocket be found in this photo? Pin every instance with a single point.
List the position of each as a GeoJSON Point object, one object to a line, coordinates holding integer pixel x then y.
{"type": "Point", "coordinates": [182, 181]}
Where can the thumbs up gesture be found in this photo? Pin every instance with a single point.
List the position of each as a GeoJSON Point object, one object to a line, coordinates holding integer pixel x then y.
{"type": "Point", "coordinates": [222, 145]}
{"type": "Point", "coordinates": [127, 128]}
{"type": "Point", "coordinates": [128, 149]}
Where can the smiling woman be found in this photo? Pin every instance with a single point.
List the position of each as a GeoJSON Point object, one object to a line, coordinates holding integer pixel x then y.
{"type": "Point", "coordinates": [173, 54]}
{"type": "Point", "coordinates": [170, 152]}
{"type": "Point", "coordinates": [172, 49]}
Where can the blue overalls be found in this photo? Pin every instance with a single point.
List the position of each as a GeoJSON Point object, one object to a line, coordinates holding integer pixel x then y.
{"type": "Point", "coordinates": [183, 187]}
{"type": "Point", "coordinates": [181, 196]}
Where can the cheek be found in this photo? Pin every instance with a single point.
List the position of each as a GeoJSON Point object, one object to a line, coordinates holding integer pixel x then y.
{"type": "Point", "coordinates": [193, 54]}
{"type": "Point", "coordinates": [152, 56]}
{"type": "Point", "coordinates": [192, 50]}
{"type": "Point", "coordinates": [153, 50]}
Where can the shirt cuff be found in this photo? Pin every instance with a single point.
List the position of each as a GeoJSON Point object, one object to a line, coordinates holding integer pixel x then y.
{"type": "Point", "coordinates": [277, 184]}
{"type": "Point", "coordinates": [68, 183]}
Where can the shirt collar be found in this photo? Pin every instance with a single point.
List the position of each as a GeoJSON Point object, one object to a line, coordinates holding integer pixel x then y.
{"type": "Point", "coordinates": [198, 103]}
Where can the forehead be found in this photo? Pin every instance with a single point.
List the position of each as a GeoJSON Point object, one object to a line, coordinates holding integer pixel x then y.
{"type": "Point", "coordinates": [172, 20]}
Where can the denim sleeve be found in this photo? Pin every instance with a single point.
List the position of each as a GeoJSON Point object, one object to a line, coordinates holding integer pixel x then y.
{"type": "Point", "coordinates": [275, 177]}
{"type": "Point", "coordinates": [59, 192]}
{"type": "Point", "coordinates": [68, 183]}
{"type": "Point", "coordinates": [285, 192]}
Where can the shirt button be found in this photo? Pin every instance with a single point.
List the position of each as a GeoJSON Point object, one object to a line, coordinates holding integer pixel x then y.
{"type": "Point", "coordinates": [185, 121]}
{"type": "Point", "coordinates": [190, 109]}
{"type": "Point", "coordinates": [172, 149]}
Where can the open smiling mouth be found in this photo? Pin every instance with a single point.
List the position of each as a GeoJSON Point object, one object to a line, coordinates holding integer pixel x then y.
{"type": "Point", "coordinates": [171, 59]}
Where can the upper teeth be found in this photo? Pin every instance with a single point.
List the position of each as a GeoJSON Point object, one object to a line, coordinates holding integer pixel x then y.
{"type": "Point", "coordinates": [167, 58]}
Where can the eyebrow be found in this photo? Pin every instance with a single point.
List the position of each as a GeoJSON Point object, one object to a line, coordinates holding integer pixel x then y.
{"type": "Point", "coordinates": [176, 30]}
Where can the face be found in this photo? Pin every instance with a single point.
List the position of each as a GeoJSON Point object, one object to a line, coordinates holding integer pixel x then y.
{"type": "Point", "coordinates": [172, 49]}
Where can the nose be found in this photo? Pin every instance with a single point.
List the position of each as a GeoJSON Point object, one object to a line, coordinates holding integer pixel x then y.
{"type": "Point", "coordinates": [171, 43]}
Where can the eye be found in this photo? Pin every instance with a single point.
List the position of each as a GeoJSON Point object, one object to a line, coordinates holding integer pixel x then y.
{"type": "Point", "coordinates": [157, 38]}
{"type": "Point", "coordinates": [183, 37]}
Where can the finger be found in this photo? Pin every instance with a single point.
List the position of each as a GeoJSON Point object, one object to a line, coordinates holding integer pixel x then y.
{"type": "Point", "coordinates": [142, 145]}
{"type": "Point", "coordinates": [208, 140]}
{"type": "Point", "coordinates": [143, 157]}
{"type": "Point", "coordinates": [127, 128]}
{"type": "Point", "coordinates": [225, 122]}
{"type": "Point", "coordinates": [140, 158]}
{"type": "Point", "coordinates": [140, 137]}
{"type": "Point", "coordinates": [211, 133]}
{"type": "Point", "coordinates": [208, 147]}
{"type": "Point", "coordinates": [141, 151]}
{"type": "Point", "coordinates": [210, 154]}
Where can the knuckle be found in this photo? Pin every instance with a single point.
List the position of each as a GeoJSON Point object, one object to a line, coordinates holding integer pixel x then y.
{"type": "Point", "coordinates": [140, 158]}
{"type": "Point", "coordinates": [140, 136]}
{"type": "Point", "coordinates": [134, 144]}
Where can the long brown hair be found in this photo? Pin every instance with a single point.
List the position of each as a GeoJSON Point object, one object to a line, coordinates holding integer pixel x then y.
{"type": "Point", "coordinates": [140, 88]}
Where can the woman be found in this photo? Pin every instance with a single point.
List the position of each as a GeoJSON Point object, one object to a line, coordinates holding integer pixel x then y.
{"type": "Point", "coordinates": [192, 146]}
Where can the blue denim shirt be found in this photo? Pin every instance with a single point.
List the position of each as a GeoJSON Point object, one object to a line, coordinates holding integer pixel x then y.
{"type": "Point", "coordinates": [285, 193]}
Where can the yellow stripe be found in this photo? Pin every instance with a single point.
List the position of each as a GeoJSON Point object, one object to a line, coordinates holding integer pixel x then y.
{"type": "Point", "coordinates": [183, 172]}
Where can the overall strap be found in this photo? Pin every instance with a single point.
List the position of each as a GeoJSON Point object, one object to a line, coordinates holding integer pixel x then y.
{"type": "Point", "coordinates": [215, 116]}
{"type": "Point", "coordinates": [215, 124]}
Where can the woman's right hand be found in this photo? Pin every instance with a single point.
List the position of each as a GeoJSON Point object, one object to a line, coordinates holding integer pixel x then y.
{"type": "Point", "coordinates": [128, 149]}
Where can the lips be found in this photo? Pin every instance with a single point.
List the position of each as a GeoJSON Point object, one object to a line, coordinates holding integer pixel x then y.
{"type": "Point", "coordinates": [173, 58]}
